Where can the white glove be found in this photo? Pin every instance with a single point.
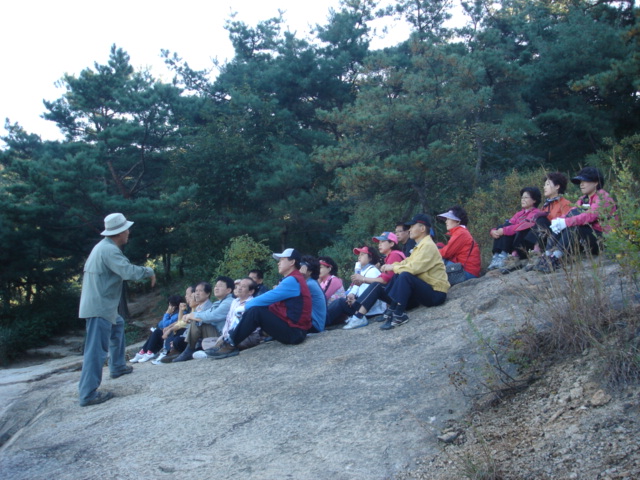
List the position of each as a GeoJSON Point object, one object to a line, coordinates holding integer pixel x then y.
{"type": "Point", "coordinates": [558, 224]}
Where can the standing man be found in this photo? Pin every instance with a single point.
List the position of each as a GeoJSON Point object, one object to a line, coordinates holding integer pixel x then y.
{"type": "Point", "coordinates": [104, 272]}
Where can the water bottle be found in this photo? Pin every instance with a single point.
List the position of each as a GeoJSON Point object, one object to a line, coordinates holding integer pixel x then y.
{"type": "Point", "coordinates": [358, 268]}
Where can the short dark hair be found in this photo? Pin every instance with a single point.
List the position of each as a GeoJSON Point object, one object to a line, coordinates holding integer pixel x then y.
{"type": "Point", "coordinates": [313, 264]}
{"type": "Point", "coordinates": [558, 179]}
{"type": "Point", "coordinates": [259, 273]}
{"type": "Point", "coordinates": [534, 193]}
{"type": "Point", "coordinates": [228, 280]}
{"type": "Point", "coordinates": [176, 300]}
{"type": "Point", "coordinates": [401, 223]}
{"type": "Point", "coordinates": [253, 286]}
{"type": "Point", "coordinates": [461, 213]}
{"type": "Point", "coordinates": [206, 287]}
{"type": "Point", "coordinates": [332, 262]}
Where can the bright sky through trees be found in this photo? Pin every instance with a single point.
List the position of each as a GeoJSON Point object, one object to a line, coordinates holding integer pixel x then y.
{"type": "Point", "coordinates": [42, 40]}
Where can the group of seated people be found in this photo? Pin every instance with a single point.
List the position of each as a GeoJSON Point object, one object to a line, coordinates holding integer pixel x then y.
{"type": "Point", "coordinates": [407, 269]}
{"type": "Point", "coordinates": [558, 228]}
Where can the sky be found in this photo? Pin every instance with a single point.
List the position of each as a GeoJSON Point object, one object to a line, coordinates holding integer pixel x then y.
{"type": "Point", "coordinates": [41, 40]}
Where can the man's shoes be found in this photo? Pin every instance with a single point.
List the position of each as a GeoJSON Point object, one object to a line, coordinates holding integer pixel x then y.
{"type": "Point", "coordinates": [100, 397]}
{"type": "Point", "coordinates": [512, 264]}
{"type": "Point", "coordinates": [395, 321]}
{"type": "Point", "coordinates": [126, 370]}
{"type": "Point", "coordinates": [169, 358]}
{"type": "Point", "coordinates": [399, 319]}
{"type": "Point", "coordinates": [226, 350]}
{"type": "Point", "coordinates": [184, 356]}
{"type": "Point", "coordinates": [355, 322]}
{"type": "Point", "coordinates": [547, 264]}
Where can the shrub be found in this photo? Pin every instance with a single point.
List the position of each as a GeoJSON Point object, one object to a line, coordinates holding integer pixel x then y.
{"type": "Point", "coordinates": [623, 242]}
{"type": "Point", "coordinates": [244, 254]}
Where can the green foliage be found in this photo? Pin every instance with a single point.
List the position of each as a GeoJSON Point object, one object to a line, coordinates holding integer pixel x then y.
{"type": "Point", "coordinates": [623, 241]}
{"type": "Point", "coordinates": [243, 254]}
{"type": "Point", "coordinates": [28, 326]}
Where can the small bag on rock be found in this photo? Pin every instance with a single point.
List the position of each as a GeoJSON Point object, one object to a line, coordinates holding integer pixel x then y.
{"type": "Point", "coordinates": [455, 272]}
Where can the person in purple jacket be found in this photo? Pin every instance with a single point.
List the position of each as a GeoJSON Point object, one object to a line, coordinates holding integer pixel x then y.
{"type": "Point", "coordinates": [511, 237]}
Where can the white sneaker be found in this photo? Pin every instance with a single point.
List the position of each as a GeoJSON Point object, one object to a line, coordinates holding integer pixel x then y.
{"type": "Point", "coordinates": [146, 357]}
{"type": "Point", "coordinates": [355, 322]}
{"type": "Point", "coordinates": [159, 358]}
{"type": "Point", "coordinates": [137, 358]}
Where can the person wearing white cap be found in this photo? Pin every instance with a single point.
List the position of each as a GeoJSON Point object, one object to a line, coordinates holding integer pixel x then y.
{"type": "Point", "coordinates": [461, 247]}
{"type": "Point", "coordinates": [284, 312]}
{"type": "Point", "coordinates": [104, 272]}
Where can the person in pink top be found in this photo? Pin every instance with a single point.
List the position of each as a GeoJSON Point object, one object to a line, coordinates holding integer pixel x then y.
{"type": "Point", "coordinates": [583, 226]}
{"type": "Point", "coordinates": [511, 237]}
{"type": "Point", "coordinates": [330, 283]}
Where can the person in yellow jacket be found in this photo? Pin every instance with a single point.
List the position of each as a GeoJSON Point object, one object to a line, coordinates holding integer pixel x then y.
{"type": "Point", "coordinates": [420, 279]}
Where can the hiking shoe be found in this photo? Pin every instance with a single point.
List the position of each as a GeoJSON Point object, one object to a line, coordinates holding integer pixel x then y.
{"type": "Point", "coordinates": [399, 319]}
{"type": "Point", "coordinates": [159, 358]}
{"type": "Point", "coordinates": [547, 264]}
{"type": "Point", "coordinates": [126, 370]}
{"type": "Point", "coordinates": [387, 325]}
{"type": "Point", "coordinates": [512, 264]}
{"type": "Point", "coordinates": [100, 397]}
{"type": "Point", "coordinates": [147, 356]}
{"type": "Point", "coordinates": [169, 358]}
{"type": "Point", "coordinates": [355, 322]}
{"type": "Point", "coordinates": [138, 356]}
{"type": "Point", "coordinates": [498, 261]}
{"type": "Point", "coordinates": [386, 316]}
{"type": "Point", "coordinates": [226, 350]}
{"type": "Point", "coordinates": [184, 356]}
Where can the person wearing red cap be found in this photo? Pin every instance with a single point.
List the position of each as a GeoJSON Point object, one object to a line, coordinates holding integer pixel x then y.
{"type": "Point", "coordinates": [389, 247]}
{"type": "Point", "coordinates": [330, 283]}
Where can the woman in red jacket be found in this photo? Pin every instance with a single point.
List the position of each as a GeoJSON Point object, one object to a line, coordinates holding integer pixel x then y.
{"type": "Point", "coordinates": [461, 247]}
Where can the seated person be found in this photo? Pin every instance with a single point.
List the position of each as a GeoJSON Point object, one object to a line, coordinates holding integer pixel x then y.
{"type": "Point", "coordinates": [330, 283]}
{"type": "Point", "coordinates": [154, 343]}
{"type": "Point", "coordinates": [583, 226]}
{"type": "Point", "coordinates": [174, 334]}
{"type": "Point", "coordinates": [344, 308]}
{"type": "Point", "coordinates": [511, 237]}
{"type": "Point", "coordinates": [402, 232]}
{"type": "Point", "coordinates": [258, 276]}
{"type": "Point", "coordinates": [461, 247]}
{"type": "Point", "coordinates": [310, 270]}
{"type": "Point", "coordinates": [419, 279]}
{"type": "Point", "coordinates": [207, 323]}
{"type": "Point", "coordinates": [284, 313]}
{"type": "Point", "coordinates": [390, 249]}
{"type": "Point", "coordinates": [244, 292]}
